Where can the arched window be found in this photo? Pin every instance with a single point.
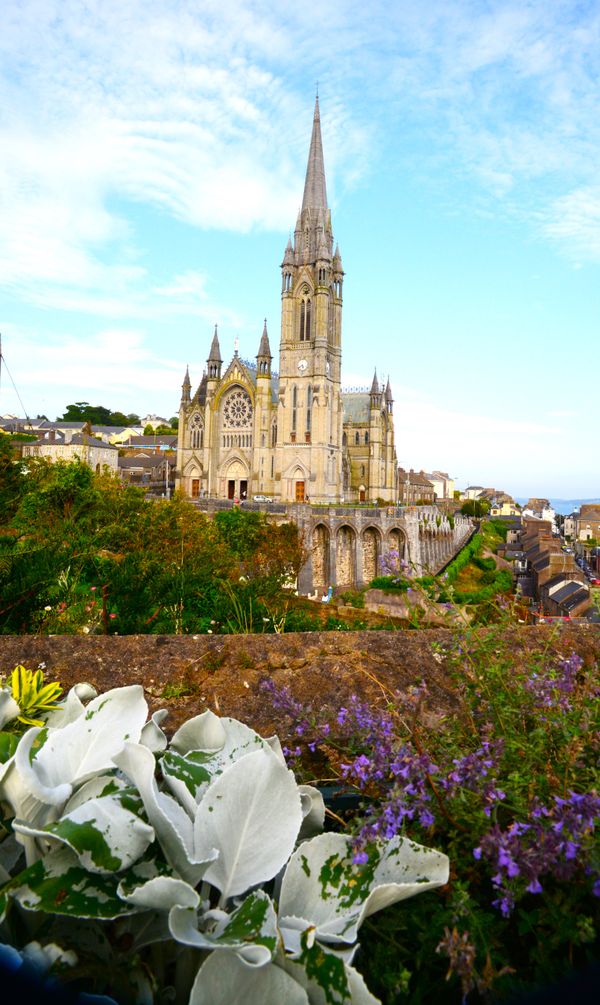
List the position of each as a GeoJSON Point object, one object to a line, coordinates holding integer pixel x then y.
{"type": "Point", "coordinates": [305, 313]}
{"type": "Point", "coordinates": [308, 407]}
{"type": "Point", "coordinates": [357, 437]}
{"type": "Point", "coordinates": [344, 439]}
{"type": "Point", "coordinates": [274, 435]}
{"type": "Point", "coordinates": [366, 437]}
{"type": "Point", "coordinates": [196, 432]}
{"type": "Point", "coordinates": [294, 407]}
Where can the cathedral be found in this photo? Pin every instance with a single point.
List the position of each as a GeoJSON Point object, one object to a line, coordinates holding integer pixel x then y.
{"type": "Point", "coordinates": [295, 435]}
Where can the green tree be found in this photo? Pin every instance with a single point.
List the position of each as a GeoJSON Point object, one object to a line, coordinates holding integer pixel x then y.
{"type": "Point", "coordinates": [475, 507]}
{"type": "Point", "coordinates": [98, 415]}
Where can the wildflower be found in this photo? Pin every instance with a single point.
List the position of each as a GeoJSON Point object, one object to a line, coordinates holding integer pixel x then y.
{"type": "Point", "coordinates": [47, 607]}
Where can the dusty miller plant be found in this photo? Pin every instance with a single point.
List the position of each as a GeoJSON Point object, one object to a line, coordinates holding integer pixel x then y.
{"type": "Point", "coordinates": [199, 866]}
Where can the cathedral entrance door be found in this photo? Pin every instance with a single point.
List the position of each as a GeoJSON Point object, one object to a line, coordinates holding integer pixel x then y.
{"type": "Point", "coordinates": [299, 491]}
{"type": "Point", "coordinates": [243, 489]}
{"type": "Point", "coordinates": [231, 489]}
{"type": "Point", "coordinates": [195, 488]}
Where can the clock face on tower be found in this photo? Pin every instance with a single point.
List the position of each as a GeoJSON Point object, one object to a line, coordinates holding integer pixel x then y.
{"type": "Point", "coordinates": [302, 365]}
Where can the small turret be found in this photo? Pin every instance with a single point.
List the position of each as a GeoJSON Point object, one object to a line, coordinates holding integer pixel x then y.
{"type": "Point", "coordinates": [264, 357]}
{"type": "Point", "coordinates": [375, 392]}
{"type": "Point", "coordinates": [288, 255]}
{"type": "Point", "coordinates": [337, 261]}
{"type": "Point", "coordinates": [389, 401]}
{"type": "Point", "coordinates": [214, 360]}
{"type": "Point", "coordinates": [186, 387]}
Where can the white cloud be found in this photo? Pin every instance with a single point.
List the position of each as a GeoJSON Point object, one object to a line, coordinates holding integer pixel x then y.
{"type": "Point", "coordinates": [573, 221]}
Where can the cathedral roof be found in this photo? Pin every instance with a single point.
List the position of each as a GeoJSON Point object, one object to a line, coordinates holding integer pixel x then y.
{"type": "Point", "coordinates": [356, 406]}
{"type": "Point", "coordinates": [315, 191]}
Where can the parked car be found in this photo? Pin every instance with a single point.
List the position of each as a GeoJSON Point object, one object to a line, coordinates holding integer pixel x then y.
{"type": "Point", "coordinates": [595, 581]}
{"type": "Point", "coordinates": [262, 499]}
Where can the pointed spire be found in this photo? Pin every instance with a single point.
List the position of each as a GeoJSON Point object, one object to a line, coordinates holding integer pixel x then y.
{"type": "Point", "coordinates": [288, 257]}
{"type": "Point", "coordinates": [215, 349]}
{"type": "Point", "coordinates": [315, 191]}
{"type": "Point", "coordinates": [186, 386]}
{"type": "Point", "coordinates": [264, 357]}
{"type": "Point", "coordinates": [375, 385]}
{"type": "Point", "coordinates": [337, 260]}
{"type": "Point", "coordinates": [388, 391]}
{"type": "Point", "coordinates": [264, 348]}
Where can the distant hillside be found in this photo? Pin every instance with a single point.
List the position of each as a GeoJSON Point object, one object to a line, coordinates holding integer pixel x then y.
{"type": "Point", "coordinates": [563, 506]}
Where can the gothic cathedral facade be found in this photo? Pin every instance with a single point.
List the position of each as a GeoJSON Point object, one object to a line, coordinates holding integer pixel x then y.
{"type": "Point", "coordinates": [291, 436]}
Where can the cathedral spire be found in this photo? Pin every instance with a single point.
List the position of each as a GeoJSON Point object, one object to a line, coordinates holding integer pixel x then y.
{"type": "Point", "coordinates": [315, 191]}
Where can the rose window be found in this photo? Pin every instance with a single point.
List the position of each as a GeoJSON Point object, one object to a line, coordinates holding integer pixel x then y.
{"type": "Point", "coordinates": [237, 410]}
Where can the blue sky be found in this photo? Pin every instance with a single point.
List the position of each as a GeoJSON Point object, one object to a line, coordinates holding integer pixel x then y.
{"type": "Point", "coordinates": [152, 168]}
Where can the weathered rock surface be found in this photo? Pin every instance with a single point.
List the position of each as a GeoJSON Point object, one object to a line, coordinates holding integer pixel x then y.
{"type": "Point", "coordinates": [187, 674]}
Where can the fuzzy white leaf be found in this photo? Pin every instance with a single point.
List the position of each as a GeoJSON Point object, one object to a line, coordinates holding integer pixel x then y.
{"type": "Point", "coordinates": [83, 747]}
{"type": "Point", "coordinates": [252, 814]}
{"type": "Point", "coordinates": [322, 884]}
{"type": "Point", "coordinates": [152, 735]}
{"type": "Point", "coordinates": [173, 826]}
{"type": "Point", "coordinates": [72, 707]}
{"type": "Point", "coordinates": [161, 894]}
{"type": "Point", "coordinates": [226, 739]}
{"type": "Point", "coordinates": [356, 991]}
{"type": "Point", "coordinates": [105, 835]}
{"type": "Point", "coordinates": [223, 979]}
{"type": "Point", "coordinates": [313, 811]}
{"type": "Point", "coordinates": [250, 930]}
{"type": "Point", "coordinates": [9, 709]}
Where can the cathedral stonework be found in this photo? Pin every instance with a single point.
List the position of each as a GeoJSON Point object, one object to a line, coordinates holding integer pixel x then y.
{"type": "Point", "coordinates": [293, 436]}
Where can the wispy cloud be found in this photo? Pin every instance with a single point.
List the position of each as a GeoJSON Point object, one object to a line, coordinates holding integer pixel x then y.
{"type": "Point", "coordinates": [199, 110]}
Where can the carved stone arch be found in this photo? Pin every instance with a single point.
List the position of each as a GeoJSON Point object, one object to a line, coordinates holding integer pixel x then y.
{"type": "Point", "coordinates": [371, 553]}
{"type": "Point", "coordinates": [396, 541]}
{"type": "Point", "coordinates": [345, 556]}
{"type": "Point", "coordinates": [321, 544]}
{"type": "Point", "coordinates": [193, 468]}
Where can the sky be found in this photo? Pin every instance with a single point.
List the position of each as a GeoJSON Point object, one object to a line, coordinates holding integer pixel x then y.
{"type": "Point", "coordinates": [152, 167]}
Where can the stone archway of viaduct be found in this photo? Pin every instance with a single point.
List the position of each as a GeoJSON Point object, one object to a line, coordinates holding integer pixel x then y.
{"type": "Point", "coordinates": [345, 545]}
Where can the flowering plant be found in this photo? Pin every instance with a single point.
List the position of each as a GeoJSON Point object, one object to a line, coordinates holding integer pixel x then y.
{"type": "Point", "coordinates": [200, 865]}
{"type": "Point", "coordinates": [506, 785]}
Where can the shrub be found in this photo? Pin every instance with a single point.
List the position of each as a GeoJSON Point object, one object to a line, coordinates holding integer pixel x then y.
{"type": "Point", "coordinates": [200, 866]}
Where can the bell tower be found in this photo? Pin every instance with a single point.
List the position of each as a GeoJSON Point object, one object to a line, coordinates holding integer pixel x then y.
{"type": "Point", "coordinates": [309, 423]}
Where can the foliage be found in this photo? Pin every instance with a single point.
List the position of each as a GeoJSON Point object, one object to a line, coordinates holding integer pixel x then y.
{"type": "Point", "coordinates": [82, 552]}
{"type": "Point", "coordinates": [199, 866]}
{"type": "Point", "coordinates": [506, 784]}
{"type": "Point", "coordinates": [98, 415]}
{"type": "Point", "coordinates": [390, 583]}
{"type": "Point", "coordinates": [476, 507]}
{"type": "Point", "coordinates": [11, 479]}
{"type": "Point", "coordinates": [33, 697]}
